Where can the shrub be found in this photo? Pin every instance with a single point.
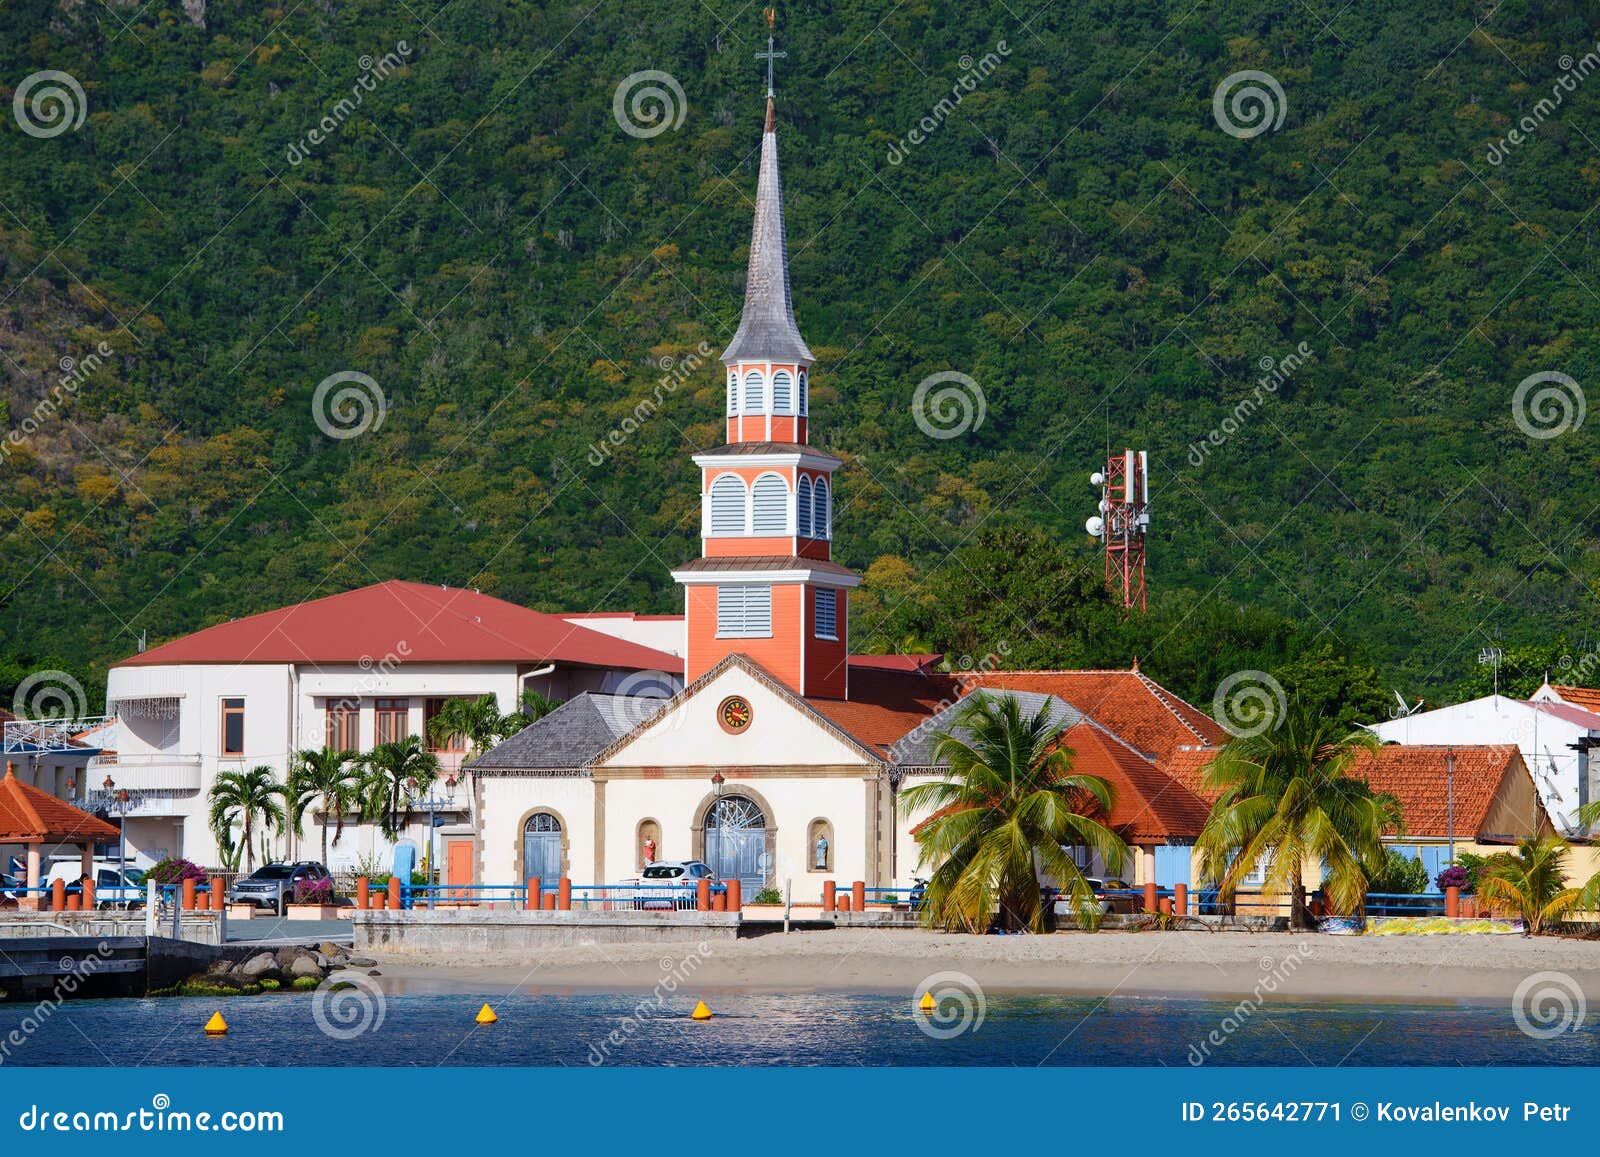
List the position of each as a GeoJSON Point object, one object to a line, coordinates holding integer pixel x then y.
{"type": "Point", "coordinates": [767, 896]}
{"type": "Point", "coordinates": [170, 871]}
{"type": "Point", "coordinates": [1401, 875]}
{"type": "Point", "coordinates": [1454, 876]}
{"type": "Point", "coordinates": [313, 891]}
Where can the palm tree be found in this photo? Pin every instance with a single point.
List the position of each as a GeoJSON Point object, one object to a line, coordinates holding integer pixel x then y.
{"type": "Point", "coordinates": [242, 797]}
{"type": "Point", "coordinates": [329, 780]}
{"type": "Point", "coordinates": [1532, 882]}
{"type": "Point", "coordinates": [392, 770]}
{"type": "Point", "coordinates": [533, 708]}
{"type": "Point", "coordinates": [1008, 809]}
{"type": "Point", "coordinates": [478, 721]}
{"type": "Point", "coordinates": [1286, 796]}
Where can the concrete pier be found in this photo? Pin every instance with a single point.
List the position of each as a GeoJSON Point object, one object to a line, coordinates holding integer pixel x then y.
{"type": "Point", "coordinates": [510, 930]}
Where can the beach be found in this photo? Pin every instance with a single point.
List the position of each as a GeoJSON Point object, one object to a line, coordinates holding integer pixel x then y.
{"type": "Point", "coordinates": [1203, 965]}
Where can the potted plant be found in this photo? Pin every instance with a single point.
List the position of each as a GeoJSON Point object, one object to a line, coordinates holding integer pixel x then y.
{"type": "Point", "coordinates": [314, 900]}
{"type": "Point", "coordinates": [1450, 882]}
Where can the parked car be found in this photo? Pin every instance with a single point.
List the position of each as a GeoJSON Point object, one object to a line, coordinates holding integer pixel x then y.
{"type": "Point", "coordinates": [1122, 904]}
{"type": "Point", "coordinates": [272, 886]}
{"type": "Point", "coordinates": [124, 881]}
{"type": "Point", "coordinates": [662, 874]}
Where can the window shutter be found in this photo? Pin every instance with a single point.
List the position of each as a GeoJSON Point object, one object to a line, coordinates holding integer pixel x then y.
{"type": "Point", "coordinates": [802, 508]}
{"type": "Point", "coordinates": [755, 393]}
{"type": "Point", "coordinates": [727, 505]}
{"type": "Point", "coordinates": [744, 611]}
{"type": "Point", "coordinates": [827, 614]}
{"type": "Point", "coordinates": [770, 508]}
{"type": "Point", "coordinates": [819, 509]}
{"type": "Point", "coordinates": [782, 393]}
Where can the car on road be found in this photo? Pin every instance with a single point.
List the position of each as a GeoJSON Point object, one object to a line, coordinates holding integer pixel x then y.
{"type": "Point", "coordinates": [1112, 896]}
{"type": "Point", "coordinates": [272, 886]}
{"type": "Point", "coordinates": [669, 884]}
{"type": "Point", "coordinates": [114, 887]}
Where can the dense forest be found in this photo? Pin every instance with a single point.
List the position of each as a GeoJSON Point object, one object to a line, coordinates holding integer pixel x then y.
{"type": "Point", "coordinates": [478, 212]}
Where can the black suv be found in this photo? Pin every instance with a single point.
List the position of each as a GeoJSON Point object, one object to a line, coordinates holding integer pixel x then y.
{"type": "Point", "coordinates": [272, 886]}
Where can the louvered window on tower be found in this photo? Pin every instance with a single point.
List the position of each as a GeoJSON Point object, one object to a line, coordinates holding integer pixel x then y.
{"type": "Point", "coordinates": [803, 401]}
{"type": "Point", "coordinates": [819, 509]}
{"type": "Point", "coordinates": [733, 393]}
{"type": "Point", "coordinates": [827, 614]}
{"type": "Point", "coordinates": [770, 510]}
{"type": "Point", "coordinates": [727, 505]}
{"type": "Point", "coordinates": [744, 612]}
{"type": "Point", "coordinates": [755, 393]}
{"type": "Point", "coordinates": [782, 393]}
{"type": "Point", "coordinates": [802, 508]}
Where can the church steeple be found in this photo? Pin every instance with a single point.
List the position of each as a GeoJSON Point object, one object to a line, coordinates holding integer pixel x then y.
{"type": "Point", "coordinates": [765, 584]}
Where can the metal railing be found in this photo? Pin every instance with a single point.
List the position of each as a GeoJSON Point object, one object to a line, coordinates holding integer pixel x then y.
{"type": "Point", "coordinates": [583, 897]}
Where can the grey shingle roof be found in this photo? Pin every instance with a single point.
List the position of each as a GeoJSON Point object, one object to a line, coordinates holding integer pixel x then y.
{"type": "Point", "coordinates": [571, 735]}
{"type": "Point", "coordinates": [916, 748]}
{"type": "Point", "coordinates": [767, 331]}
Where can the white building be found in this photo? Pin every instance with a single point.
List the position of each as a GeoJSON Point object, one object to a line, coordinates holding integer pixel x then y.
{"type": "Point", "coordinates": [1554, 737]}
{"type": "Point", "coordinates": [350, 670]}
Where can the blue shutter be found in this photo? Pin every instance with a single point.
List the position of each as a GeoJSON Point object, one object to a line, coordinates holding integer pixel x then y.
{"type": "Point", "coordinates": [802, 508]}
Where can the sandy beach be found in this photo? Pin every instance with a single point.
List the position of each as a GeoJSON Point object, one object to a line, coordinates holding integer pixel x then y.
{"type": "Point", "coordinates": [1201, 965]}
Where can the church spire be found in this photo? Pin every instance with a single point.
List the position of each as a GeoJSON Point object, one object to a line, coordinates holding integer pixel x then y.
{"type": "Point", "coordinates": [767, 330]}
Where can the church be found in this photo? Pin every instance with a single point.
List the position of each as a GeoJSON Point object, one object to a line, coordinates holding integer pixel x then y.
{"type": "Point", "coordinates": [782, 757]}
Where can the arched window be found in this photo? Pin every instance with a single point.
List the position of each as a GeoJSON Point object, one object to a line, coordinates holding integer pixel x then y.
{"type": "Point", "coordinates": [770, 506]}
{"type": "Point", "coordinates": [804, 401]}
{"type": "Point", "coordinates": [733, 393]}
{"type": "Point", "coordinates": [755, 393]}
{"type": "Point", "coordinates": [727, 505]}
{"type": "Point", "coordinates": [821, 516]}
{"type": "Point", "coordinates": [802, 508]}
{"type": "Point", "coordinates": [782, 393]}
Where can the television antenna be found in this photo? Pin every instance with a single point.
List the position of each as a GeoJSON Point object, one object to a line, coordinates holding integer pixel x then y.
{"type": "Point", "coordinates": [1492, 657]}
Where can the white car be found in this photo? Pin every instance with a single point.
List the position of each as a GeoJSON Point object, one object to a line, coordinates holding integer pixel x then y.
{"type": "Point", "coordinates": [669, 884]}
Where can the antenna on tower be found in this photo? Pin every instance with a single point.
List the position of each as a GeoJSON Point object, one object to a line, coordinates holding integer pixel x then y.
{"type": "Point", "coordinates": [1492, 657]}
{"type": "Point", "coordinates": [1123, 522]}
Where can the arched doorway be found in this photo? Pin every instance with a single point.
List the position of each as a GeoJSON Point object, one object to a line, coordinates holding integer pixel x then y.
{"type": "Point", "coordinates": [541, 847]}
{"type": "Point", "coordinates": [736, 841]}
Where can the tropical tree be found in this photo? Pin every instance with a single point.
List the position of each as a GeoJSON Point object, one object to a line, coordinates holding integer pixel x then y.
{"type": "Point", "coordinates": [329, 780]}
{"type": "Point", "coordinates": [1008, 809]}
{"type": "Point", "coordinates": [1285, 797]}
{"type": "Point", "coordinates": [478, 721]}
{"type": "Point", "coordinates": [1531, 883]}
{"type": "Point", "coordinates": [533, 708]}
{"type": "Point", "coordinates": [392, 770]}
{"type": "Point", "coordinates": [254, 800]}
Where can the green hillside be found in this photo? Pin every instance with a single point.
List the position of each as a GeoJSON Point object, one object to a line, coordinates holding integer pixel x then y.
{"type": "Point", "coordinates": [1078, 234]}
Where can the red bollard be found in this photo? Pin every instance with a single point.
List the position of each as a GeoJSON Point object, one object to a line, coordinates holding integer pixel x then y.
{"type": "Point", "coordinates": [58, 896]}
{"type": "Point", "coordinates": [88, 895]}
{"type": "Point", "coordinates": [1452, 902]}
{"type": "Point", "coordinates": [719, 902]}
{"type": "Point", "coordinates": [841, 902]}
{"type": "Point", "coordinates": [828, 889]}
{"type": "Point", "coordinates": [548, 904]}
{"type": "Point", "coordinates": [188, 895]}
{"type": "Point", "coordinates": [564, 894]}
{"type": "Point", "coordinates": [735, 896]}
{"type": "Point", "coordinates": [363, 893]}
{"type": "Point", "coordinates": [858, 897]}
{"type": "Point", "coordinates": [1150, 897]}
{"type": "Point", "coordinates": [1180, 899]}
{"type": "Point", "coordinates": [702, 896]}
{"type": "Point", "coordinates": [219, 894]}
{"type": "Point", "coordinates": [1166, 905]}
{"type": "Point", "coordinates": [394, 893]}
{"type": "Point", "coordinates": [530, 902]}
{"type": "Point", "coordinates": [75, 903]}
{"type": "Point", "coordinates": [380, 900]}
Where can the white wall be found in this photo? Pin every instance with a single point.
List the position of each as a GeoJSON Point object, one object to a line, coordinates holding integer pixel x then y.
{"type": "Point", "coordinates": [507, 802]}
{"type": "Point", "coordinates": [659, 634]}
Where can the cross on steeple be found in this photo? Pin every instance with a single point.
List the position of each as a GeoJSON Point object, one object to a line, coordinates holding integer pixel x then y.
{"type": "Point", "coordinates": [770, 55]}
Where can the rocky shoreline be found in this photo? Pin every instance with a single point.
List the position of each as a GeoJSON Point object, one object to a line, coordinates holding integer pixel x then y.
{"type": "Point", "coordinates": [291, 969]}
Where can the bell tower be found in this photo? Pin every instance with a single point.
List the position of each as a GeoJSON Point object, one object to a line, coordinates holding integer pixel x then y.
{"type": "Point", "coordinates": [765, 584]}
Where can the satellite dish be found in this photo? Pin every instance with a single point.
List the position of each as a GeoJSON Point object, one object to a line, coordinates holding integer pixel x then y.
{"type": "Point", "coordinates": [1097, 479]}
{"type": "Point", "coordinates": [1103, 505]}
{"type": "Point", "coordinates": [1095, 526]}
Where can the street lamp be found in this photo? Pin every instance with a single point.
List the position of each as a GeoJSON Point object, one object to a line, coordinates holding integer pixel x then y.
{"type": "Point", "coordinates": [120, 798]}
{"type": "Point", "coordinates": [717, 781]}
{"type": "Point", "coordinates": [432, 805]}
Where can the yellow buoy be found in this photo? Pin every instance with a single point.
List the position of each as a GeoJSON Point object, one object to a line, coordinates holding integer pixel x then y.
{"type": "Point", "coordinates": [701, 1012]}
{"type": "Point", "coordinates": [216, 1026]}
{"type": "Point", "coordinates": [927, 1003]}
{"type": "Point", "coordinates": [486, 1015]}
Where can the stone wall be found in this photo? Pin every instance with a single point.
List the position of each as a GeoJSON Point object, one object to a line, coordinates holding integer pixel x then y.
{"type": "Point", "coordinates": [495, 932]}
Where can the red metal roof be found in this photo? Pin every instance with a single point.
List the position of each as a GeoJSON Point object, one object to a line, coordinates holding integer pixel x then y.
{"type": "Point", "coordinates": [894, 662]}
{"type": "Point", "coordinates": [413, 622]}
{"type": "Point", "coordinates": [1583, 717]}
{"type": "Point", "coordinates": [31, 816]}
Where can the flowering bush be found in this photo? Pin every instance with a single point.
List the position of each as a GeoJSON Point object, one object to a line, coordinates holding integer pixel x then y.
{"type": "Point", "coordinates": [175, 872]}
{"type": "Point", "coordinates": [1454, 876]}
{"type": "Point", "coordinates": [313, 891]}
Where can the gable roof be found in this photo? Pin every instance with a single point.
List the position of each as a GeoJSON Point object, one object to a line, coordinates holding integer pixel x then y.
{"type": "Point", "coordinates": [571, 735]}
{"type": "Point", "coordinates": [430, 624]}
{"type": "Point", "coordinates": [915, 748]}
{"type": "Point", "coordinates": [1130, 704]}
{"type": "Point", "coordinates": [1586, 697]}
{"type": "Point", "coordinates": [29, 815]}
{"type": "Point", "coordinates": [1569, 712]}
{"type": "Point", "coordinates": [885, 704]}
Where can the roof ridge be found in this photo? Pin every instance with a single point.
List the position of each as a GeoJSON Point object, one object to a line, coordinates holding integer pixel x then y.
{"type": "Point", "coordinates": [1166, 699]}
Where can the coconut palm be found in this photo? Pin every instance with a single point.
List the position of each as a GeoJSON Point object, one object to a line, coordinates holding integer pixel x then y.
{"type": "Point", "coordinates": [477, 721]}
{"type": "Point", "coordinates": [1007, 809]}
{"type": "Point", "coordinates": [328, 780]}
{"type": "Point", "coordinates": [1531, 883]}
{"type": "Point", "coordinates": [393, 771]}
{"type": "Point", "coordinates": [1286, 796]}
{"type": "Point", "coordinates": [252, 799]}
{"type": "Point", "coordinates": [533, 708]}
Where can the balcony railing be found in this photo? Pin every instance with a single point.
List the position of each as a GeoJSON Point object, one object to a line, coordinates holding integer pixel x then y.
{"type": "Point", "coordinates": [155, 771]}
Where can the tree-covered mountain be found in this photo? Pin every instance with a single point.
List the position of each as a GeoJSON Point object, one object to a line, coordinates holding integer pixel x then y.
{"type": "Point", "coordinates": [1316, 329]}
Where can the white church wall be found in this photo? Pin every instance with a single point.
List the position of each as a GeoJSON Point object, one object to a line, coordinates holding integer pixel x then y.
{"type": "Point", "coordinates": [508, 801]}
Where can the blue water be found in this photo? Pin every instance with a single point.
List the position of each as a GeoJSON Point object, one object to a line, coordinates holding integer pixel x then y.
{"type": "Point", "coordinates": [788, 1029]}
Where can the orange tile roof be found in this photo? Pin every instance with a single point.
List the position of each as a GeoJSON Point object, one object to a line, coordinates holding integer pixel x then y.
{"type": "Point", "coordinates": [31, 816]}
{"type": "Point", "coordinates": [1586, 697]}
{"type": "Point", "coordinates": [1134, 707]}
{"type": "Point", "coordinates": [1415, 775]}
{"type": "Point", "coordinates": [885, 704]}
